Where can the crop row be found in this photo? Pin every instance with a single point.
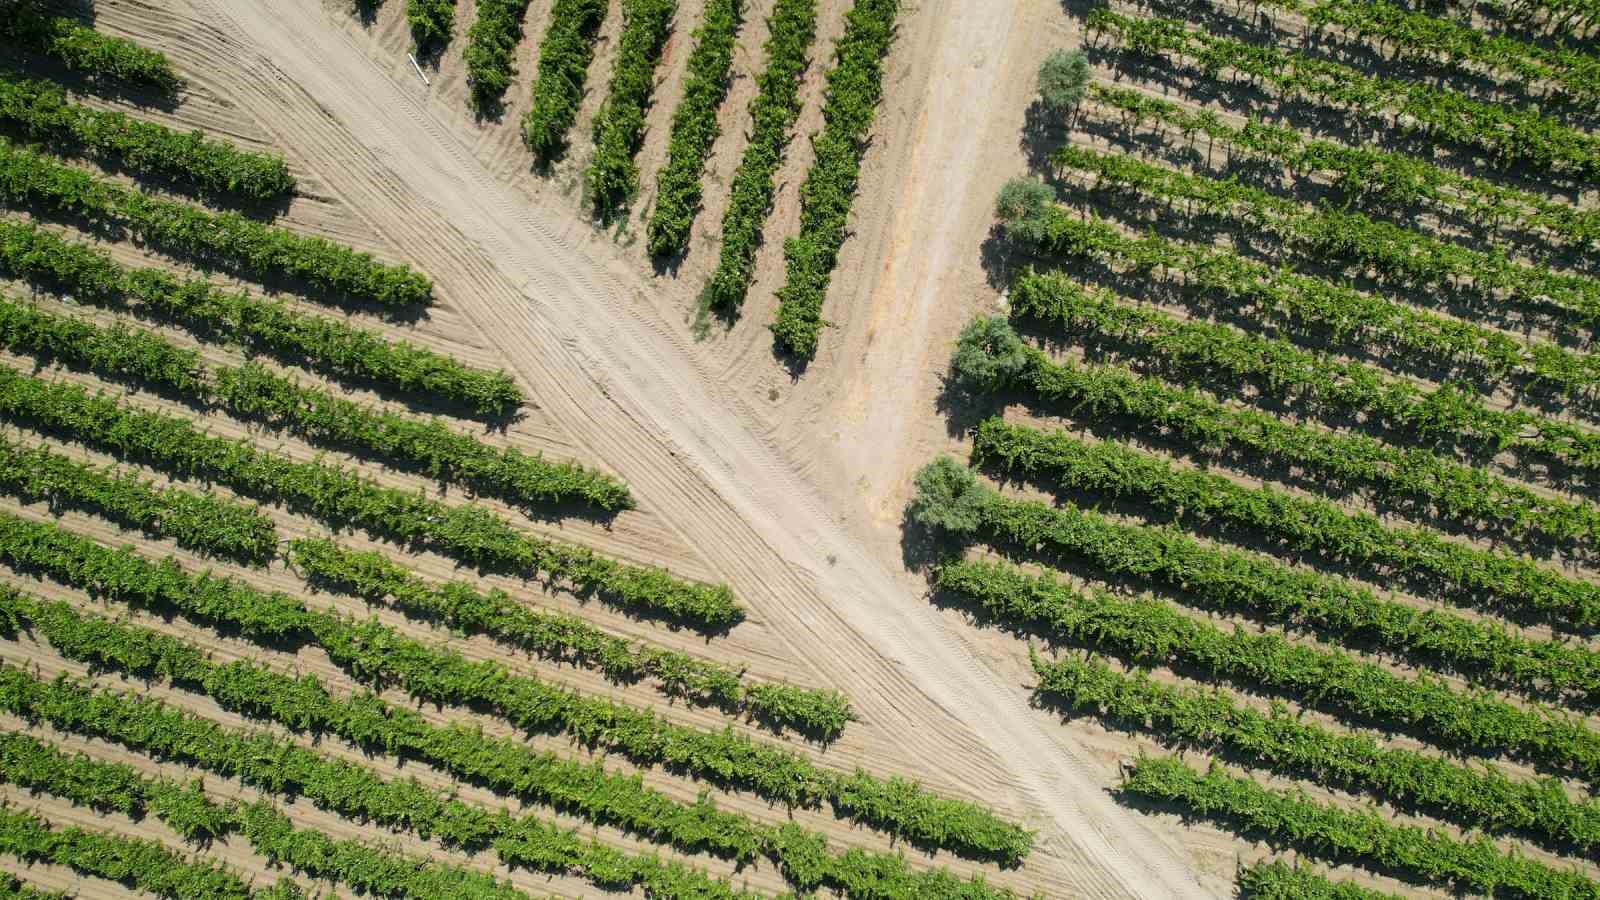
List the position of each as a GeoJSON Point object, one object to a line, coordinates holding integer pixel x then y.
{"type": "Point", "coordinates": [855, 85]}
{"type": "Point", "coordinates": [491, 51]}
{"type": "Point", "coordinates": [341, 497]}
{"type": "Point", "coordinates": [564, 55]}
{"type": "Point", "coordinates": [1276, 880]}
{"type": "Point", "coordinates": [335, 346]}
{"type": "Point", "coordinates": [227, 239]}
{"type": "Point", "coordinates": [322, 417]}
{"type": "Point", "coordinates": [1204, 351]}
{"type": "Point", "coordinates": [254, 393]}
{"type": "Point", "coordinates": [1149, 632]}
{"type": "Point", "coordinates": [612, 179]}
{"type": "Point", "coordinates": [1480, 797]}
{"type": "Point", "coordinates": [694, 128]}
{"type": "Point", "coordinates": [461, 607]}
{"type": "Point", "coordinates": [201, 521]}
{"type": "Point", "coordinates": [189, 810]}
{"type": "Point", "coordinates": [377, 656]}
{"type": "Point", "coordinates": [791, 28]}
{"type": "Point", "coordinates": [1562, 19]}
{"type": "Point", "coordinates": [431, 22]}
{"type": "Point", "coordinates": [212, 524]}
{"type": "Point", "coordinates": [1472, 865]}
{"type": "Point", "coordinates": [1506, 134]}
{"type": "Point", "coordinates": [991, 357]}
{"type": "Point", "coordinates": [1418, 35]}
{"type": "Point", "coordinates": [14, 888]}
{"type": "Point", "coordinates": [82, 49]}
{"type": "Point", "coordinates": [1230, 580]}
{"type": "Point", "coordinates": [41, 112]}
{"type": "Point", "coordinates": [1364, 175]}
{"type": "Point", "coordinates": [1455, 570]}
{"type": "Point", "coordinates": [281, 767]}
{"type": "Point", "coordinates": [1401, 255]}
{"type": "Point", "coordinates": [142, 864]}
{"type": "Point", "coordinates": [1289, 297]}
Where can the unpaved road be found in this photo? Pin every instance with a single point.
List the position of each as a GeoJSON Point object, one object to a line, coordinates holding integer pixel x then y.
{"type": "Point", "coordinates": [624, 378]}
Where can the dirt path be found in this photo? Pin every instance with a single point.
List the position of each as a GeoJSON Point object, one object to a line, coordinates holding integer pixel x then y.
{"type": "Point", "coordinates": [580, 331]}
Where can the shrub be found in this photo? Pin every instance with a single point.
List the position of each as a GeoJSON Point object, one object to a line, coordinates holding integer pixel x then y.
{"type": "Point", "coordinates": [1063, 79]}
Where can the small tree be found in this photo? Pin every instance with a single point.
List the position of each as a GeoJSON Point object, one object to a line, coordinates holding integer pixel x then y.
{"type": "Point", "coordinates": [1063, 79]}
{"type": "Point", "coordinates": [989, 354]}
{"type": "Point", "coordinates": [1023, 199]}
{"type": "Point", "coordinates": [949, 497]}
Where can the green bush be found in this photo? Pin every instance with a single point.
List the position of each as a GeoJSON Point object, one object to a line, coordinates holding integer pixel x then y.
{"type": "Point", "coordinates": [1063, 79]}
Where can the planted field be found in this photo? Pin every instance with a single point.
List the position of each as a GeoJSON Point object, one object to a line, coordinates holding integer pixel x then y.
{"type": "Point", "coordinates": [309, 585]}
{"type": "Point", "coordinates": [1277, 447]}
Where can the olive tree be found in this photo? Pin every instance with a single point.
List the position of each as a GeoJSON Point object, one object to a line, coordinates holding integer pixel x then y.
{"type": "Point", "coordinates": [1063, 79]}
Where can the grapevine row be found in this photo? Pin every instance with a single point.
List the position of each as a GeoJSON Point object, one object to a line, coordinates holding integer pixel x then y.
{"type": "Point", "coordinates": [1306, 524]}
{"type": "Point", "coordinates": [334, 346]}
{"type": "Point", "coordinates": [1202, 350]}
{"type": "Point", "coordinates": [14, 888]}
{"type": "Point", "coordinates": [1469, 865]}
{"type": "Point", "coordinates": [564, 55]}
{"type": "Point", "coordinates": [491, 49]}
{"type": "Point", "coordinates": [141, 864]}
{"type": "Point", "coordinates": [1473, 797]}
{"type": "Point", "coordinates": [227, 239]}
{"type": "Point", "coordinates": [340, 497]}
{"type": "Point", "coordinates": [1561, 18]}
{"type": "Point", "coordinates": [1363, 174]}
{"type": "Point", "coordinates": [1229, 580]}
{"type": "Point", "coordinates": [792, 28]}
{"type": "Point", "coordinates": [304, 704]}
{"type": "Point", "coordinates": [612, 179]}
{"type": "Point", "coordinates": [322, 417]}
{"type": "Point", "coordinates": [1505, 134]}
{"type": "Point", "coordinates": [374, 654]}
{"type": "Point", "coordinates": [1274, 880]}
{"type": "Point", "coordinates": [991, 357]}
{"type": "Point", "coordinates": [694, 128]}
{"type": "Point", "coordinates": [41, 112]}
{"type": "Point", "coordinates": [202, 521]}
{"type": "Point", "coordinates": [567, 638]}
{"type": "Point", "coordinates": [1423, 36]}
{"type": "Point", "coordinates": [855, 85]}
{"type": "Point", "coordinates": [277, 766]}
{"type": "Point", "coordinates": [1149, 632]}
{"type": "Point", "coordinates": [189, 810]}
{"type": "Point", "coordinates": [431, 22]}
{"type": "Point", "coordinates": [254, 393]}
{"type": "Point", "coordinates": [1399, 254]}
{"type": "Point", "coordinates": [115, 351]}
{"type": "Point", "coordinates": [1278, 294]}
{"type": "Point", "coordinates": [82, 49]}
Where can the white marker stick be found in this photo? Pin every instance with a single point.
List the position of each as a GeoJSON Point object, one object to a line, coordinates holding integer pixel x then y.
{"type": "Point", "coordinates": [413, 58]}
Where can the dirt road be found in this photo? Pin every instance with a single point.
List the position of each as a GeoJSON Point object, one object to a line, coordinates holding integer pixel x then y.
{"type": "Point", "coordinates": [622, 374]}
